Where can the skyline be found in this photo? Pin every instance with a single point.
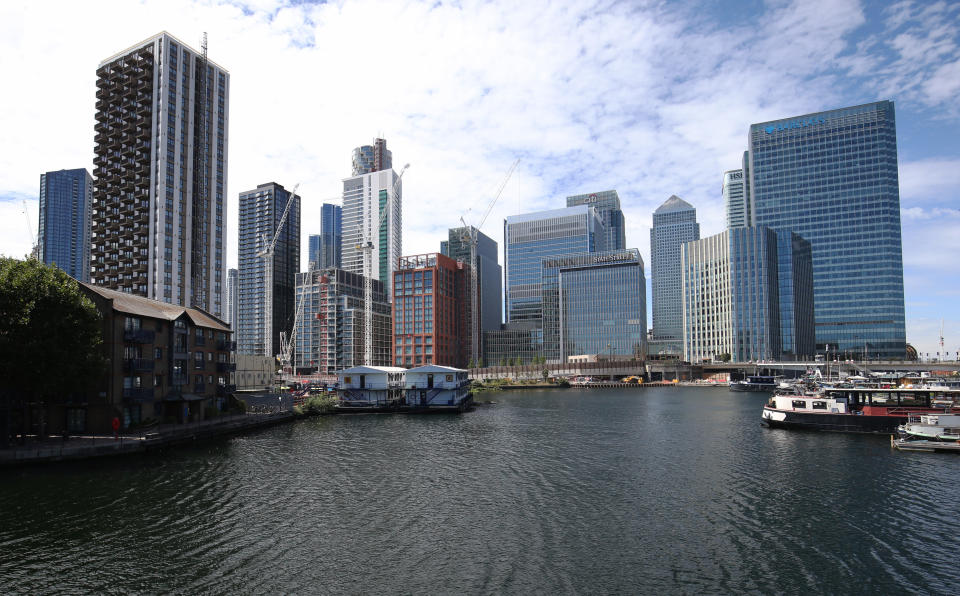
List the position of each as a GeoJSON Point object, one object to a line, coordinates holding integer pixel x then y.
{"type": "Point", "coordinates": [649, 101]}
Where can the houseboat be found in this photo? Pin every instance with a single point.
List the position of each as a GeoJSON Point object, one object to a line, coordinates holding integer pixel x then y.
{"type": "Point", "coordinates": [856, 409]}
{"type": "Point", "coordinates": [755, 383]}
{"type": "Point", "coordinates": [370, 388]}
{"type": "Point", "coordinates": [437, 388]}
{"type": "Point", "coordinates": [929, 432]}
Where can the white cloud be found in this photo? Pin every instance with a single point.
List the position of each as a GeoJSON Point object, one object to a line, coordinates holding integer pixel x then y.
{"type": "Point", "coordinates": [930, 181]}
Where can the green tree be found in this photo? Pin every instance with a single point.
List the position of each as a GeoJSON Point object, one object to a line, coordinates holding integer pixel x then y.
{"type": "Point", "coordinates": [50, 339]}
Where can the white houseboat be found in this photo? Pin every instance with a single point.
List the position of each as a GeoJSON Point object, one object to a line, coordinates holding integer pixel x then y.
{"type": "Point", "coordinates": [439, 388]}
{"type": "Point", "coordinates": [371, 387]}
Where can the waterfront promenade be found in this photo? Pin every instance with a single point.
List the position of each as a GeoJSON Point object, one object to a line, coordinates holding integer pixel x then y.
{"type": "Point", "coordinates": [34, 450]}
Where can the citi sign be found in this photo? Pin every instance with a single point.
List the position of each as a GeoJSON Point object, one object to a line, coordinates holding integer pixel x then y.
{"type": "Point", "coordinates": [794, 124]}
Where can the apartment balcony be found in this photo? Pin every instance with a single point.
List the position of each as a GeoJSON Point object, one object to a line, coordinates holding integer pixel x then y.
{"type": "Point", "coordinates": [226, 345]}
{"type": "Point", "coordinates": [223, 367]}
{"type": "Point", "coordinates": [180, 380]}
{"type": "Point", "coordinates": [138, 393]}
{"type": "Point", "coordinates": [138, 365]}
{"type": "Point", "coordinates": [139, 336]}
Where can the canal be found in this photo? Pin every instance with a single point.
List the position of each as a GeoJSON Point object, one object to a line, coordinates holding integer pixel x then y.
{"type": "Point", "coordinates": [671, 490]}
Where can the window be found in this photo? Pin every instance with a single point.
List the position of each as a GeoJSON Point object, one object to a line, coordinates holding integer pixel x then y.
{"type": "Point", "coordinates": [158, 353]}
{"type": "Point", "coordinates": [799, 403]}
{"type": "Point", "coordinates": [198, 360]}
{"type": "Point", "coordinates": [819, 405]}
{"type": "Point", "coordinates": [131, 323]}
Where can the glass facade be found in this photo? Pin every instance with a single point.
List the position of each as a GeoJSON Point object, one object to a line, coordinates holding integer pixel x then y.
{"type": "Point", "coordinates": [324, 248]}
{"type": "Point", "coordinates": [489, 272]}
{"type": "Point", "coordinates": [530, 238]}
{"type": "Point", "coordinates": [831, 177]}
{"type": "Point", "coordinates": [259, 325]}
{"type": "Point", "coordinates": [514, 343]}
{"type": "Point", "coordinates": [367, 159]}
{"type": "Point", "coordinates": [731, 296]}
{"type": "Point", "coordinates": [607, 204]}
{"type": "Point", "coordinates": [577, 319]}
{"type": "Point", "coordinates": [795, 282]}
{"type": "Point", "coordinates": [674, 223]}
{"type": "Point", "coordinates": [365, 197]}
{"type": "Point", "coordinates": [64, 231]}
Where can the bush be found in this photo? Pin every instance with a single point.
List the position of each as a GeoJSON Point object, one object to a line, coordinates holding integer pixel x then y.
{"type": "Point", "coordinates": [319, 404]}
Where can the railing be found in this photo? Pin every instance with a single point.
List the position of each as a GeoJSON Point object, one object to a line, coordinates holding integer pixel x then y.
{"type": "Point", "coordinates": [226, 366]}
{"type": "Point", "coordinates": [199, 388]}
{"type": "Point", "coordinates": [140, 336]}
{"type": "Point", "coordinates": [138, 365]}
{"type": "Point", "coordinates": [138, 393]}
{"type": "Point", "coordinates": [227, 345]}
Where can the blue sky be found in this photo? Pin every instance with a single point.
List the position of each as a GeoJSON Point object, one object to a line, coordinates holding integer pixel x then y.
{"type": "Point", "coordinates": [648, 98]}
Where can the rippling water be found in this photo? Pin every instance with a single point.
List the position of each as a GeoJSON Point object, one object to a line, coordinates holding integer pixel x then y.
{"type": "Point", "coordinates": [604, 491]}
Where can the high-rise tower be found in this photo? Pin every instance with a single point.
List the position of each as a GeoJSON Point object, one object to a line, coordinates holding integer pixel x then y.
{"type": "Point", "coordinates": [64, 232]}
{"type": "Point", "coordinates": [160, 170]}
{"type": "Point", "coordinates": [674, 223]}
{"type": "Point", "coordinates": [365, 198]}
{"type": "Point", "coordinates": [607, 204]}
{"type": "Point", "coordinates": [325, 247]}
{"type": "Point", "coordinates": [831, 177]}
{"type": "Point", "coordinates": [372, 158]}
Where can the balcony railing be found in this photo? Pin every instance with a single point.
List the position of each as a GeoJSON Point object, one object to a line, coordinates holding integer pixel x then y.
{"type": "Point", "coordinates": [227, 345]}
{"type": "Point", "coordinates": [138, 365]}
{"type": "Point", "coordinates": [199, 388]}
{"type": "Point", "coordinates": [138, 393]}
{"type": "Point", "coordinates": [140, 336]}
{"type": "Point", "coordinates": [226, 366]}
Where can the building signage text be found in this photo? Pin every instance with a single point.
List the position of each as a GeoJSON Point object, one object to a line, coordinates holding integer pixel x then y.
{"type": "Point", "coordinates": [802, 123]}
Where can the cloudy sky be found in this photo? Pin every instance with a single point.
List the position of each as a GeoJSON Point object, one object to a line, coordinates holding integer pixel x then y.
{"type": "Point", "coordinates": [648, 98]}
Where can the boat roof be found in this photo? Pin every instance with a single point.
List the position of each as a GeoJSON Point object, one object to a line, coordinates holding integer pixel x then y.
{"type": "Point", "coordinates": [356, 370]}
{"type": "Point", "coordinates": [430, 368]}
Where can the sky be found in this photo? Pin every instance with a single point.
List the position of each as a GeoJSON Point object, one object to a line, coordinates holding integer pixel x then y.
{"type": "Point", "coordinates": [648, 98]}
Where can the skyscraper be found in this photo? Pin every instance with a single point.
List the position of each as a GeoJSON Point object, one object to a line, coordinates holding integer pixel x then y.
{"type": "Point", "coordinates": [607, 204]}
{"type": "Point", "coordinates": [259, 324]}
{"type": "Point", "coordinates": [325, 247]}
{"type": "Point", "coordinates": [531, 237]}
{"type": "Point", "coordinates": [831, 177]}
{"type": "Point", "coordinates": [365, 198]}
{"type": "Point", "coordinates": [372, 158]}
{"type": "Point", "coordinates": [160, 171]}
{"type": "Point", "coordinates": [489, 273]}
{"type": "Point", "coordinates": [735, 199]}
{"type": "Point", "coordinates": [64, 231]}
{"type": "Point", "coordinates": [674, 223]}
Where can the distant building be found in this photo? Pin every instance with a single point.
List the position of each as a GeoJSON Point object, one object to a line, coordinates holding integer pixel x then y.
{"type": "Point", "coordinates": [489, 273]}
{"type": "Point", "coordinates": [325, 247]}
{"type": "Point", "coordinates": [594, 303]}
{"type": "Point", "coordinates": [330, 335]}
{"type": "Point", "coordinates": [259, 324]}
{"type": "Point", "coordinates": [735, 199]}
{"type": "Point", "coordinates": [64, 232]}
{"type": "Point", "coordinates": [169, 364]}
{"type": "Point", "coordinates": [531, 237]}
{"type": "Point", "coordinates": [367, 159]}
{"type": "Point", "coordinates": [365, 198]}
{"type": "Point", "coordinates": [607, 204]}
{"type": "Point", "coordinates": [732, 301]}
{"type": "Point", "coordinates": [160, 170]}
{"type": "Point", "coordinates": [795, 289]}
{"type": "Point", "coordinates": [832, 178]}
{"type": "Point", "coordinates": [431, 311]}
{"type": "Point", "coordinates": [674, 224]}
{"type": "Point", "coordinates": [233, 290]}
{"type": "Point", "coordinates": [519, 342]}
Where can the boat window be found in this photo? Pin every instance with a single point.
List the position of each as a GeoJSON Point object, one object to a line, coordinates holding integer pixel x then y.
{"type": "Point", "coordinates": [819, 405]}
{"type": "Point", "coordinates": [799, 403]}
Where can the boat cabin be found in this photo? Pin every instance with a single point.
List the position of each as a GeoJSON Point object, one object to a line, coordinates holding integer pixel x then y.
{"type": "Point", "coordinates": [370, 385]}
{"type": "Point", "coordinates": [807, 403]}
{"type": "Point", "coordinates": [435, 386]}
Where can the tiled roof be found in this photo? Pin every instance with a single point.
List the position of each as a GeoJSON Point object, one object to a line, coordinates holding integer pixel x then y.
{"type": "Point", "coordinates": [146, 307]}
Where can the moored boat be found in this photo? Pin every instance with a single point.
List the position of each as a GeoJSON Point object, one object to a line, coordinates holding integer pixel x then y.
{"type": "Point", "coordinates": [857, 409]}
{"type": "Point", "coordinates": [755, 383]}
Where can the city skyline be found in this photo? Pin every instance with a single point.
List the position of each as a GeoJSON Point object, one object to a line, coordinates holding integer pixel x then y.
{"type": "Point", "coordinates": [461, 125]}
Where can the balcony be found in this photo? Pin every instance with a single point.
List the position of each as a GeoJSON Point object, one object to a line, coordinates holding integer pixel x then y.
{"type": "Point", "coordinates": [138, 393]}
{"type": "Point", "coordinates": [180, 380]}
{"type": "Point", "coordinates": [138, 365]}
{"type": "Point", "coordinates": [226, 345]}
{"type": "Point", "coordinates": [226, 367]}
{"type": "Point", "coordinates": [139, 336]}
{"type": "Point", "coordinates": [199, 388]}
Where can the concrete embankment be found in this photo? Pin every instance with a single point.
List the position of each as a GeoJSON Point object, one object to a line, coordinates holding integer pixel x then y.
{"type": "Point", "coordinates": [83, 447]}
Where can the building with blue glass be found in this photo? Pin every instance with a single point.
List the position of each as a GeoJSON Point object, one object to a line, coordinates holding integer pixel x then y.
{"type": "Point", "coordinates": [578, 319]}
{"type": "Point", "coordinates": [489, 273]}
{"type": "Point", "coordinates": [532, 237]}
{"type": "Point", "coordinates": [324, 248]}
{"type": "Point", "coordinates": [262, 315]}
{"type": "Point", "coordinates": [795, 290]}
{"type": "Point", "coordinates": [674, 224]}
{"type": "Point", "coordinates": [64, 232]}
{"type": "Point", "coordinates": [607, 204]}
{"type": "Point", "coordinates": [831, 177]}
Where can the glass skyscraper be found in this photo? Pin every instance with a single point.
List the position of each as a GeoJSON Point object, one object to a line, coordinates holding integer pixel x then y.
{"type": "Point", "coordinates": [831, 177]}
{"type": "Point", "coordinates": [325, 247]}
{"type": "Point", "coordinates": [489, 273]}
{"type": "Point", "coordinates": [578, 319]}
{"type": "Point", "coordinates": [674, 223]}
{"type": "Point", "coordinates": [259, 324]}
{"type": "Point", "coordinates": [531, 237]}
{"type": "Point", "coordinates": [607, 204]}
{"type": "Point", "coordinates": [64, 232]}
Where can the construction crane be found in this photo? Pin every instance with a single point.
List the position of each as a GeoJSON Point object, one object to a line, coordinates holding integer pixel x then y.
{"type": "Point", "coordinates": [34, 245]}
{"type": "Point", "coordinates": [470, 235]}
{"type": "Point", "coordinates": [366, 246]}
{"type": "Point", "coordinates": [286, 347]}
{"type": "Point", "coordinates": [266, 253]}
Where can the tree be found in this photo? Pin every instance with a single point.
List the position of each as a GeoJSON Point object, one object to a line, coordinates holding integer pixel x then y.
{"type": "Point", "coordinates": [723, 357]}
{"type": "Point", "coordinates": [50, 338]}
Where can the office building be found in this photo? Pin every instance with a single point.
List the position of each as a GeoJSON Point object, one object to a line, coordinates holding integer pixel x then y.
{"type": "Point", "coordinates": [263, 314]}
{"type": "Point", "coordinates": [532, 237]}
{"type": "Point", "coordinates": [489, 273]}
{"type": "Point", "coordinates": [831, 177]}
{"type": "Point", "coordinates": [734, 199]}
{"type": "Point", "coordinates": [365, 198]}
{"type": "Point", "coordinates": [330, 334]}
{"type": "Point", "coordinates": [519, 342]}
{"type": "Point", "coordinates": [730, 296]}
{"type": "Point", "coordinates": [607, 204]}
{"type": "Point", "coordinates": [431, 311]}
{"type": "Point", "coordinates": [63, 237]}
{"type": "Point", "coordinates": [160, 170]}
{"type": "Point", "coordinates": [580, 320]}
{"type": "Point", "coordinates": [233, 291]}
{"type": "Point", "coordinates": [325, 247]}
{"type": "Point", "coordinates": [795, 289]}
{"type": "Point", "coordinates": [674, 224]}
{"type": "Point", "coordinates": [367, 159]}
